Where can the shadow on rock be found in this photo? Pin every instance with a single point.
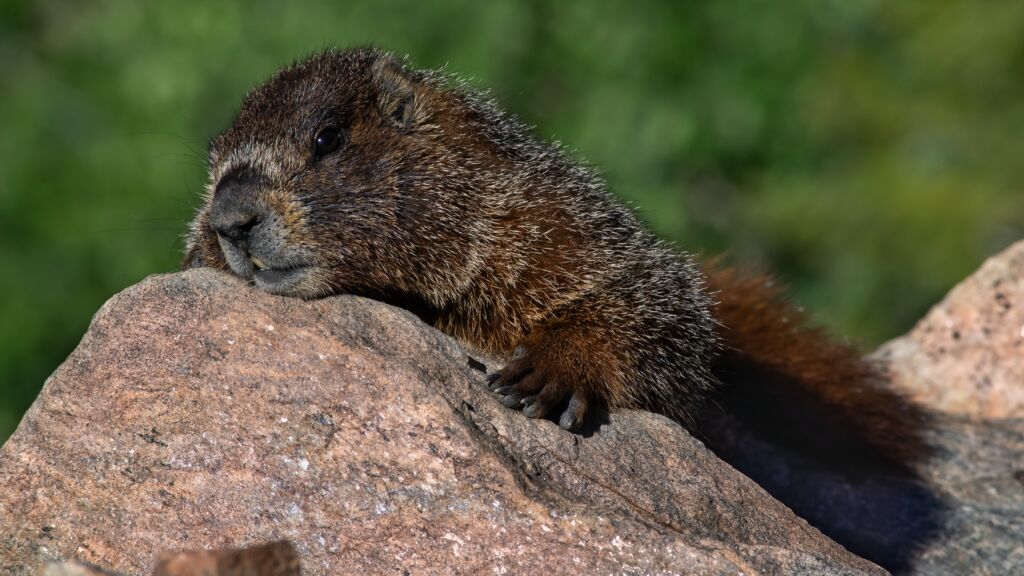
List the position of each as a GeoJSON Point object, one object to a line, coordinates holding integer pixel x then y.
{"type": "Point", "coordinates": [874, 508]}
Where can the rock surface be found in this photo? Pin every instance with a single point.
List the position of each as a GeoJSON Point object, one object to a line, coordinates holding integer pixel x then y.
{"type": "Point", "coordinates": [979, 475]}
{"type": "Point", "coordinates": [965, 359]}
{"type": "Point", "coordinates": [200, 413]}
{"type": "Point", "coordinates": [966, 356]}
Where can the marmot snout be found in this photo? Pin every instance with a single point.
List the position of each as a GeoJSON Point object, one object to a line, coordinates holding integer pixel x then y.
{"type": "Point", "coordinates": [252, 234]}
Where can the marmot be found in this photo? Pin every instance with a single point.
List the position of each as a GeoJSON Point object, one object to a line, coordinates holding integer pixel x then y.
{"type": "Point", "coordinates": [352, 172]}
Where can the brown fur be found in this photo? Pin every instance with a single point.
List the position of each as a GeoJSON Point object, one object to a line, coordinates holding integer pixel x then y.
{"type": "Point", "coordinates": [771, 342]}
{"type": "Point", "coordinates": [441, 202]}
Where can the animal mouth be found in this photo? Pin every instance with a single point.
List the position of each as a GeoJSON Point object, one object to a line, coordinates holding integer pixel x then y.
{"type": "Point", "coordinates": [279, 279]}
{"type": "Point", "coordinates": [280, 272]}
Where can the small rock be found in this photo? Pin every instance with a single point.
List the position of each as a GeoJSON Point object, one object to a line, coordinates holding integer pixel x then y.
{"type": "Point", "coordinates": [274, 559]}
{"type": "Point", "coordinates": [71, 569]}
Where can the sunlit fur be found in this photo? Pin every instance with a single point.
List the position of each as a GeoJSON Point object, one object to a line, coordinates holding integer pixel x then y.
{"type": "Point", "coordinates": [505, 239]}
{"type": "Point", "coordinates": [441, 202]}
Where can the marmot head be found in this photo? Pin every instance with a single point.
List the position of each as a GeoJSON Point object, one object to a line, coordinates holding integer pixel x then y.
{"type": "Point", "coordinates": [350, 172]}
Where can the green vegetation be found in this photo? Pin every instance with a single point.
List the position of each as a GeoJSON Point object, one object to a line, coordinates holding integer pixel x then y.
{"type": "Point", "coordinates": [867, 151]}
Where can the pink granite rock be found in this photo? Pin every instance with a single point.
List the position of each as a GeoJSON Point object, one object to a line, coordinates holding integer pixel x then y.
{"type": "Point", "coordinates": [966, 356]}
{"type": "Point", "coordinates": [199, 413]}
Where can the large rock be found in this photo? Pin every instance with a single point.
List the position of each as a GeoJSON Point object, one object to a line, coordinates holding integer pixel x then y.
{"type": "Point", "coordinates": [966, 356]}
{"type": "Point", "coordinates": [965, 360]}
{"type": "Point", "coordinates": [198, 412]}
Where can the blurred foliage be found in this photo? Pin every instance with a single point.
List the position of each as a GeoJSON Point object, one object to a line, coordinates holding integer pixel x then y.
{"type": "Point", "coordinates": [866, 151]}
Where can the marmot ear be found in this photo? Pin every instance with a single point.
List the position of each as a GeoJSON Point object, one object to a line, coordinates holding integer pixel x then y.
{"type": "Point", "coordinates": [396, 92]}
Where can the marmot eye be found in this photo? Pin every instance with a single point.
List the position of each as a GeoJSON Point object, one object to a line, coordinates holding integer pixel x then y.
{"type": "Point", "coordinates": [327, 140]}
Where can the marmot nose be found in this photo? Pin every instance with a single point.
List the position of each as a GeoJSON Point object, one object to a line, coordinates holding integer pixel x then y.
{"type": "Point", "coordinates": [234, 213]}
{"type": "Point", "coordinates": [234, 227]}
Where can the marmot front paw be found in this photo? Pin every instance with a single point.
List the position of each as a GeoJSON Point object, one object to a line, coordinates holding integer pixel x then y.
{"type": "Point", "coordinates": [540, 387]}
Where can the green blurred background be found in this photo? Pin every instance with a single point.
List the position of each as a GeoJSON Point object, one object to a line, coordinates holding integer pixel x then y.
{"type": "Point", "coordinates": [867, 151]}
